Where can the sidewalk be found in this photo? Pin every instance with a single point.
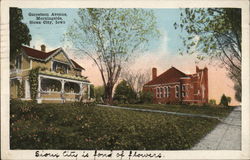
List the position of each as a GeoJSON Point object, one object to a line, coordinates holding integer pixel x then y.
{"type": "Point", "coordinates": [160, 111]}
{"type": "Point", "coordinates": [226, 136]}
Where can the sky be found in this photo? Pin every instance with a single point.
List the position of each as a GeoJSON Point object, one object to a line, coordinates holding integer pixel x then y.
{"type": "Point", "coordinates": [162, 55]}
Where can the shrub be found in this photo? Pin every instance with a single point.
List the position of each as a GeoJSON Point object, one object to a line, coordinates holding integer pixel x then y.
{"type": "Point", "coordinates": [146, 97]}
{"type": "Point", "coordinates": [225, 100]}
{"type": "Point", "coordinates": [20, 107]}
{"type": "Point", "coordinates": [212, 101]}
{"type": "Point", "coordinates": [33, 80]}
{"type": "Point", "coordinates": [21, 90]}
{"type": "Point", "coordinates": [124, 93]}
{"type": "Point", "coordinates": [99, 93]}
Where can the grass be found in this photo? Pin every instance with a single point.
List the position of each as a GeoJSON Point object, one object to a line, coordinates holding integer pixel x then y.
{"type": "Point", "coordinates": [217, 111]}
{"type": "Point", "coordinates": [74, 126]}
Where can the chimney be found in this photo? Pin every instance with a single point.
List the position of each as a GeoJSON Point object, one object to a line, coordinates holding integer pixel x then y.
{"type": "Point", "coordinates": [197, 69]}
{"type": "Point", "coordinates": [154, 73]}
{"type": "Point", "coordinates": [43, 48]}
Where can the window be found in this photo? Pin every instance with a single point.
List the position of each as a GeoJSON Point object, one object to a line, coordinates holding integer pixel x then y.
{"type": "Point", "coordinates": [157, 92]}
{"type": "Point", "coordinates": [167, 91]}
{"type": "Point", "coordinates": [177, 91]}
{"type": "Point", "coordinates": [164, 92]}
{"type": "Point", "coordinates": [198, 92]}
{"type": "Point", "coordinates": [18, 62]}
{"type": "Point", "coordinates": [183, 91]}
{"type": "Point", "coordinates": [60, 67]}
{"type": "Point", "coordinates": [161, 92]}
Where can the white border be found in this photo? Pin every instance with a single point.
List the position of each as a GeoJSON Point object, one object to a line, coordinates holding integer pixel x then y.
{"type": "Point", "coordinates": [29, 154]}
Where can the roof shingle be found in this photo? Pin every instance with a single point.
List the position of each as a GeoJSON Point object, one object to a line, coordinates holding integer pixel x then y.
{"type": "Point", "coordinates": [76, 64]}
{"type": "Point", "coordinates": [37, 54]}
{"type": "Point", "coordinates": [170, 76]}
{"type": "Point", "coordinates": [44, 55]}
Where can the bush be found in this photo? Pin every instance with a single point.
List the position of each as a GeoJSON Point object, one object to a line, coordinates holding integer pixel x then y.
{"type": "Point", "coordinates": [225, 100]}
{"type": "Point", "coordinates": [212, 101]}
{"type": "Point", "coordinates": [146, 97]}
{"type": "Point", "coordinates": [124, 93]}
{"type": "Point", "coordinates": [99, 93]}
{"type": "Point", "coordinates": [33, 80]}
{"type": "Point", "coordinates": [20, 107]}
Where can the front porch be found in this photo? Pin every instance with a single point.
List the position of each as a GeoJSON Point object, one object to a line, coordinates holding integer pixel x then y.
{"type": "Point", "coordinates": [54, 89]}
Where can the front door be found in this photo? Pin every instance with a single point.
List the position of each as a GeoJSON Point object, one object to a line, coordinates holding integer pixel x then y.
{"type": "Point", "coordinates": [27, 89]}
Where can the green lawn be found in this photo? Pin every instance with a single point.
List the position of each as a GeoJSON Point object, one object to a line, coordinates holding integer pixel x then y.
{"type": "Point", "coordinates": [217, 111]}
{"type": "Point", "coordinates": [74, 126]}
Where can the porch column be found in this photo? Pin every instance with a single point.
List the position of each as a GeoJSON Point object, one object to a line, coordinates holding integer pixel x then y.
{"type": "Point", "coordinates": [62, 83]}
{"type": "Point", "coordinates": [81, 91]}
{"type": "Point", "coordinates": [62, 90]}
{"type": "Point", "coordinates": [81, 88]}
{"type": "Point", "coordinates": [39, 90]}
{"type": "Point", "coordinates": [88, 91]}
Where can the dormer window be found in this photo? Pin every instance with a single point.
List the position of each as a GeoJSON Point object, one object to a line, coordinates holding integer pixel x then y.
{"type": "Point", "coordinates": [60, 67]}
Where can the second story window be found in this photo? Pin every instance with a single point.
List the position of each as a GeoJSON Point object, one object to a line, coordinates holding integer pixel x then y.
{"type": "Point", "coordinates": [60, 67]}
{"type": "Point", "coordinates": [18, 62]}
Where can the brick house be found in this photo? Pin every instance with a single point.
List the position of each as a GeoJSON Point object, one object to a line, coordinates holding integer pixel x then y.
{"type": "Point", "coordinates": [174, 86]}
{"type": "Point", "coordinates": [59, 78]}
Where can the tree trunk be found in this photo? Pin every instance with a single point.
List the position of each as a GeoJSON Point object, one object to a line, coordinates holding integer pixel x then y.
{"type": "Point", "coordinates": [108, 93]}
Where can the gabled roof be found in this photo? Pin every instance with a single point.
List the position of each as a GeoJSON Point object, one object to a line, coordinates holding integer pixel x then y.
{"type": "Point", "coordinates": [76, 64]}
{"type": "Point", "coordinates": [44, 56]}
{"type": "Point", "coordinates": [33, 53]}
{"type": "Point", "coordinates": [170, 76]}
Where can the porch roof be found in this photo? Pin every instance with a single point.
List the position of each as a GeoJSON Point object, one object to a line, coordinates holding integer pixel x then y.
{"type": "Point", "coordinates": [64, 76]}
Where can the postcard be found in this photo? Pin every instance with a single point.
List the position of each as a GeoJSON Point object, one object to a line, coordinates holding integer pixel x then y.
{"type": "Point", "coordinates": [125, 80]}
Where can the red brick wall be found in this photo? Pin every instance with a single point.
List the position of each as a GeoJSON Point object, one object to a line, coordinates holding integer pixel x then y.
{"type": "Point", "coordinates": [195, 90]}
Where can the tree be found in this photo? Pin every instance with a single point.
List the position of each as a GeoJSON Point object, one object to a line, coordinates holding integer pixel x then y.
{"type": "Point", "coordinates": [136, 79]}
{"type": "Point", "coordinates": [124, 93]}
{"type": "Point", "coordinates": [229, 99]}
{"type": "Point", "coordinates": [110, 37]}
{"type": "Point", "coordinates": [237, 88]}
{"type": "Point", "coordinates": [92, 91]}
{"type": "Point", "coordinates": [215, 33]}
{"type": "Point", "coordinates": [225, 100]}
{"type": "Point", "coordinates": [19, 32]}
